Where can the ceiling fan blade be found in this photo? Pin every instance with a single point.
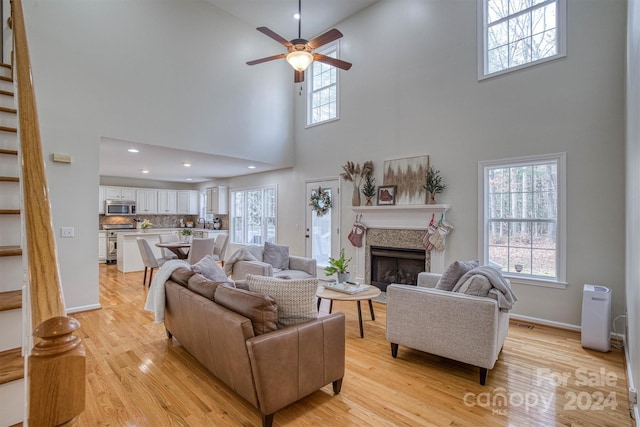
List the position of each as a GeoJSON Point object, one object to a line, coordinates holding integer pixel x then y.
{"type": "Point", "coordinates": [343, 65]}
{"type": "Point", "coordinates": [325, 38]}
{"type": "Point", "coordinates": [275, 36]}
{"type": "Point", "coordinates": [298, 76]}
{"type": "Point", "coordinates": [268, 58]}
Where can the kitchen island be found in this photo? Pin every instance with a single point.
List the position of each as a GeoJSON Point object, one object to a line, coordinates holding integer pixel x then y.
{"type": "Point", "coordinates": [128, 254]}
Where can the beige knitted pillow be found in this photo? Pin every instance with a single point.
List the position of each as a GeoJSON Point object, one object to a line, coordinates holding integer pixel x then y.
{"type": "Point", "coordinates": [295, 298]}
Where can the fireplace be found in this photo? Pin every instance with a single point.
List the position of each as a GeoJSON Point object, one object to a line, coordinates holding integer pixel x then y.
{"type": "Point", "coordinates": [396, 265]}
{"type": "Point", "coordinates": [398, 226]}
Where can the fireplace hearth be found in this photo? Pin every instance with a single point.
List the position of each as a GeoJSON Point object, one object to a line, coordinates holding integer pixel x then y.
{"type": "Point", "coordinates": [396, 265]}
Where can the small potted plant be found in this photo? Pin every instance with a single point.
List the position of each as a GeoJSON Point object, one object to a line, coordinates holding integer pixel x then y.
{"type": "Point", "coordinates": [145, 225]}
{"type": "Point", "coordinates": [369, 187]}
{"type": "Point", "coordinates": [338, 266]}
{"type": "Point", "coordinates": [433, 184]}
{"type": "Point", "coordinates": [186, 234]}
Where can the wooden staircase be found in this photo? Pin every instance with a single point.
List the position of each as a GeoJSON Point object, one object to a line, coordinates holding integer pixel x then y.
{"type": "Point", "coordinates": [12, 384]}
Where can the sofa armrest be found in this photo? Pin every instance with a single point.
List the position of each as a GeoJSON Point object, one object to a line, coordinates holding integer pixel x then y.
{"type": "Point", "coordinates": [259, 268]}
{"type": "Point", "coordinates": [309, 356]}
{"type": "Point", "coordinates": [428, 280]}
{"type": "Point", "coordinates": [308, 265]}
{"type": "Point", "coordinates": [462, 327]}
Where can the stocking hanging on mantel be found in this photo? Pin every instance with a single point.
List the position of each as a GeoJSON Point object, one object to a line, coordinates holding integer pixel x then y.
{"type": "Point", "coordinates": [357, 232]}
{"type": "Point", "coordinates": [431, 229]}
{"type": "Point", "coordinates": [442, 230]}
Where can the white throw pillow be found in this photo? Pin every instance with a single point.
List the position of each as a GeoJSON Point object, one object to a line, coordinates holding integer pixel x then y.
{"type": "Point", "coordinates": [295, 298]}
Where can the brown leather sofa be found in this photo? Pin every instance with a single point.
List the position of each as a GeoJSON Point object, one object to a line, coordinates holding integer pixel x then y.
{"type": "Point", "coordinates": [270, 368]}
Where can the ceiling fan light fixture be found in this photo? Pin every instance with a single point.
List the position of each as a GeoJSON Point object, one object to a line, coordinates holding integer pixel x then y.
{"type": "Point", "coordinates": [299, 60]}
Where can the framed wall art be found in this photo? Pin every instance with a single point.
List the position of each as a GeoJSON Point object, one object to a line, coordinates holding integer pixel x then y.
{"type": "Point", "coordinates": [387, 195]}
{"type": "Point", "coordinates": [408, 175]}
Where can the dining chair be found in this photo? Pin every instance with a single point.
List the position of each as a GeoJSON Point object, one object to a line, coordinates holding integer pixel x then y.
{"type": "Point", "coordinates": [220, 247]}
{"type": "Point", "coordinates": [148, 259]}
{"type": "Point", "coordinates": [168, 238]}
{"type": "Point", "coordinates": [200, 248]}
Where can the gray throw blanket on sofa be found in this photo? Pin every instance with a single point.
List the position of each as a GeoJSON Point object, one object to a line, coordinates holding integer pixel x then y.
{"type": "Point", "coordinates": [501, 286]}
{"type": "Point", "coordinates": [242, 254]}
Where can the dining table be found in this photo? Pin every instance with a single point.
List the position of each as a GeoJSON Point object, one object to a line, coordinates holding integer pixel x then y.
{"type": "Point", "coordinates": [181, 249]}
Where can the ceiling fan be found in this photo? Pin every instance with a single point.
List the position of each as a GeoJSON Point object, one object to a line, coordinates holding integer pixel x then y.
{"type": "Point", "coordinates": [300, 51]}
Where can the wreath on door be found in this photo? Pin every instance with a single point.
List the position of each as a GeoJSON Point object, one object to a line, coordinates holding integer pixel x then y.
{"type": "Point", "coordinates": [320, 201]}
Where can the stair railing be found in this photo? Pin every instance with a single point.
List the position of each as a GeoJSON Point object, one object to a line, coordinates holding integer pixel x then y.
{"type": "Point", "coordinates": [56, 372]}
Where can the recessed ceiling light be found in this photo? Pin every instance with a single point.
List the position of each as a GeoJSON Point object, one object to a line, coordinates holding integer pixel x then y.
{"type": "Point", "coordinates": [144, 171]}
{"type": "Point", "coordinates": [251, 167]}
{"type": "Point", "coordinates": [189, 179]}
{"type": "Point", "coordinates": [296, 15]}
{"type": "Point", "coordinates": [133, 150]}
{"type": "Point", "coordinates": [186, 165]}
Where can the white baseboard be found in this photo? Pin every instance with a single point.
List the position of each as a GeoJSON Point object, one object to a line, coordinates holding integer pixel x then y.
{"type": "Point", "coordinates": [546, 322]}
{"type": "Point", "coordinates": [630, 380]}
{"type": "Point", "coordinates": [84, 308]}
{"type": "Point", "coordinates": [559, 325]}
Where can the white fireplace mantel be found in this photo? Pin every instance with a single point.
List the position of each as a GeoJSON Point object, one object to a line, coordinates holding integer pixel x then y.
{"type": "Point", "coordinates": [398, 217]}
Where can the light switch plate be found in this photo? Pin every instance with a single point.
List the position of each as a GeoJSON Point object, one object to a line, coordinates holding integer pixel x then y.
{"type": "Point", "coordinates": [67, 232]}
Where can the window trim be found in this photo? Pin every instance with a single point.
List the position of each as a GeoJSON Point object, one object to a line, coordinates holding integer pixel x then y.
{"type": "Point", "coordinates": [232, 206]}
{"type": "Point", "coordinates": [482, 40]}
{"type": "Point", "coordinates": [309, 87]}
{"type": "Point", "coordinates": [483, 209]}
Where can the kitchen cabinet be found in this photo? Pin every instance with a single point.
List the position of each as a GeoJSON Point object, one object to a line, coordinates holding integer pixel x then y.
{"type": "Point", "coordinates": [102, 246]}
{"type": "Point", "coordinates": [187, 202]}
{"type": "Point", "coordinates": [167, 201]}
{"type": "Point", "coordinates": [146, 201]}
{"type": "Point", "coordinates": [101, 199]}
{"type": "Point", "coordinates": [120, 193]}
{"type": "Point", "coordinates": [217, 201]}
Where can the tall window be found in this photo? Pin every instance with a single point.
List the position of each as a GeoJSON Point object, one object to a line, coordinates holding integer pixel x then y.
{"type": "Point", "coordinates": [523, 211]}
{"type": "Point", "coordinates": [519, 33]}
{"type": "Point", "coordinates": [322, 89]}
{"type": "Point", "coordinates": [253, 215]}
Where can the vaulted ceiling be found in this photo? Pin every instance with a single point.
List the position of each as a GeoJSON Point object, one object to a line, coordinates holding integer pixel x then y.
{"type": "Point", "coordinates": [317, 16]}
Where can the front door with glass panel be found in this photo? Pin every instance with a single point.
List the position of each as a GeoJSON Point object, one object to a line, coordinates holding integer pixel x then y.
{"type": "Point", "coordinates": [322, 228]}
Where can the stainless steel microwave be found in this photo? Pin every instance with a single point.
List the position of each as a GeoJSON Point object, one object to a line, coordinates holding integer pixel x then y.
{"type": "Point", "coordinates": [120, 207]}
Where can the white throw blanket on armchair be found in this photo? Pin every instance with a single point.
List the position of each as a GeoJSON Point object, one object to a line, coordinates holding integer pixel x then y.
{"type": "Point", "coordinates": [156, 297]}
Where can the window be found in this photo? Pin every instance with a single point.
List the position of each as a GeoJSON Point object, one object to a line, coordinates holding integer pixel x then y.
{"type": "Point", "coordinates": [522, 211]}
{"type": "Point", "coordinates": [253, 215]}
{"type": "Point", "coordinates": [519, 33]}
{"type": "Point", "coordinates": [322, 89]}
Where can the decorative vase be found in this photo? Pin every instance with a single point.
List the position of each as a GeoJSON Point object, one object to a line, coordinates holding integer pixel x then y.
{"type": "Point", "coordinates": [355, 198]}
{"type": "Point", "coordinates": [343, 277]}
{"type": "Point", "coordinates": [368, 202]}
{"type": "Point", "coordinates": [432, 198]}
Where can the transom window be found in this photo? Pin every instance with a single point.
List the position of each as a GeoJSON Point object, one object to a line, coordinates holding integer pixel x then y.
{"type": "Point", "coordinates": [322, 89]}
{"type": "Point", "coordinates": [253, 215]}
{"type": "Point", "coordinates": [519, 33]}
{"type": "Point", "coordinates": [523, 216]}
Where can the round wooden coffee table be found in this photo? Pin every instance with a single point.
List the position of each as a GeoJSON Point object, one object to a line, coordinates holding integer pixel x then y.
{"type": "Point", "coordinates": [331, 295]}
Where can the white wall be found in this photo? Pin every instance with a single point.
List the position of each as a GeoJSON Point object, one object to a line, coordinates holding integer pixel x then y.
{"type": "Point", "coordinates": [155, 72]}
{"type": "Point", "coordinates": [633, 193]}
{"type": "Point", "coordinates": [413, 90]}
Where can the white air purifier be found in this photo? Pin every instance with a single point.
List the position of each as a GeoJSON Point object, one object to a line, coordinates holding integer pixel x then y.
{"type": "Point", "coordinates": [596, 317]}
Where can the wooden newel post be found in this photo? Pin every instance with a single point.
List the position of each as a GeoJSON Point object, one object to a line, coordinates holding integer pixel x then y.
{"type": "Point", "coordinates": [57, 373]}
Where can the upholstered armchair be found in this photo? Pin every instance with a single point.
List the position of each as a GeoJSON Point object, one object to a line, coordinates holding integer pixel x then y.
{"type": "Point", "coordinates": [456, 325]}
{"type": "Point", "coordinates": [269, 260]}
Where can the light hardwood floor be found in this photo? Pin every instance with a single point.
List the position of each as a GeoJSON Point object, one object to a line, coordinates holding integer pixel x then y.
{"type": "Point", "coordinates": [137, 377]}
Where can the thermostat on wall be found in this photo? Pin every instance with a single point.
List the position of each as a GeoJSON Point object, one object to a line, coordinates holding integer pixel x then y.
{"type": "Point", "coordinates": [61, 158]}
